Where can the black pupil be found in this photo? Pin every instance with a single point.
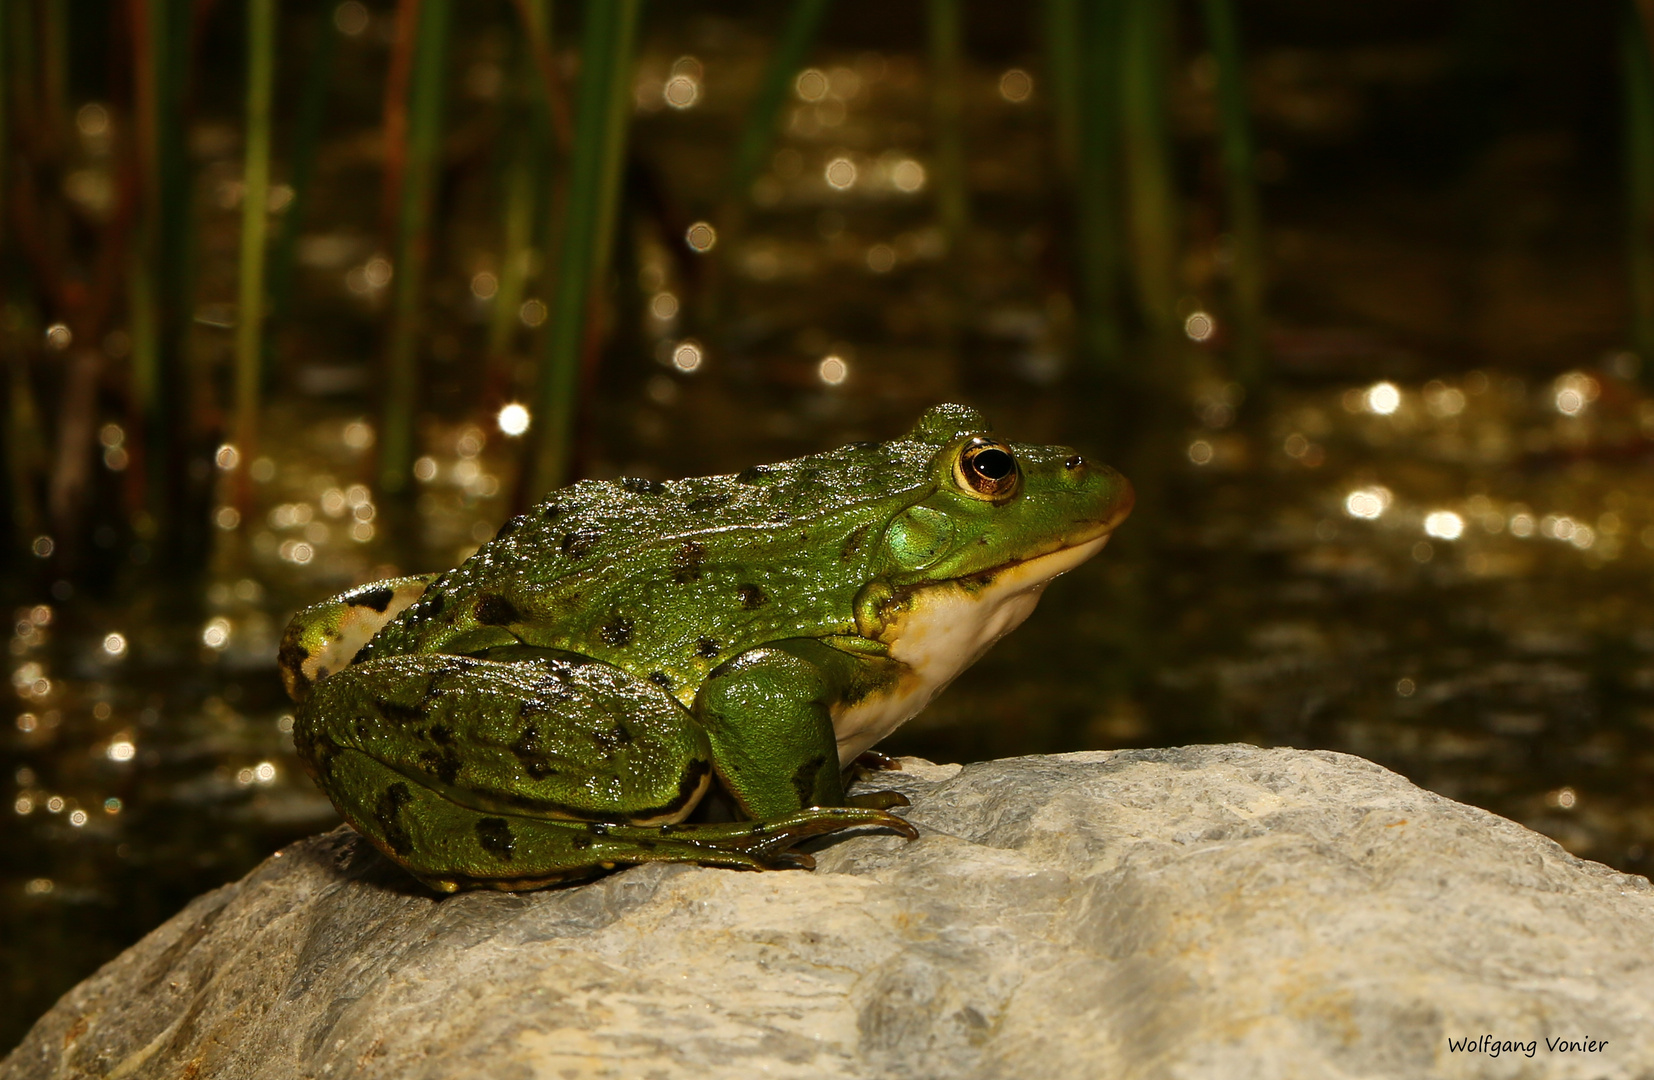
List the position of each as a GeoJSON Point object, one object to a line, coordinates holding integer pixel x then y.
{"type": "Point", "coordinates": [993, 464]}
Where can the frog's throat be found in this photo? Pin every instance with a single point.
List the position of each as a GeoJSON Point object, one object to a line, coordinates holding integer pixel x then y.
{"type": "Point", "coordinates": [941, 630]}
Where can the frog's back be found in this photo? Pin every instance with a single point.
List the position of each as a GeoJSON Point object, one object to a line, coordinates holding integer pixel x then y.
{"type": "Point", "coordinates": [634, 570]}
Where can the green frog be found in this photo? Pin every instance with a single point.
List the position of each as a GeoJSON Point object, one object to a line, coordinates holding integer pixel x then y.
{"type": "Point", "coordinates": [560, 703]}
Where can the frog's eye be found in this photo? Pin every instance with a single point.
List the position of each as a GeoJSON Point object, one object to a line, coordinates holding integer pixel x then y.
{"type": "Point", "coordinates": [986, 469]}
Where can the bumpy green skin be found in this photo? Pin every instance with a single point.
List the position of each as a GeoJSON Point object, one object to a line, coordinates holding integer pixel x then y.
{"type": "Point", "coordinates": [560, 702]}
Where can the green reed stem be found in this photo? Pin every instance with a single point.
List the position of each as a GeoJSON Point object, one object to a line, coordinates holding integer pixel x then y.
{"type": "Point", "coordinates": [22, 438]}
{"type": "Point", "coordinates": [947, 97]}
{"type": "Point", "coordinates": [54, 70]}
{"type": "Point", "coordinates": [413, 242]}
{"type": "Point", "coordinates": [602, 109]}
{"type": "Point", "coordinates": [1151, 197]}
{"type": "Point", "coordinates": [1240, 189]}
{"type": "Point", "coordinates": [20, 69]}
{"type": "Point", "coordinates": [159, 289]}
{"type": "Point", "coordinates": [1064, 47]}
{"type": "Point", "coordinates": [803, 20]}
{"type": "Point", "coordinates": [307, 134]}
{"type": "Point", "coordinates": [1637, 70]}
{"type": "Point", "coordinates": [537, 21]}
{"type": "Point", "coordinates": [616, 124]}
{"type": "Point", "coordinates": [524, 180]}
{"type": "Point", "coordinates": [255, 202]}
{"type": "Point", "coordinates": [710, 313]}
{"type": "Point", "coordinates": [1095, 26]}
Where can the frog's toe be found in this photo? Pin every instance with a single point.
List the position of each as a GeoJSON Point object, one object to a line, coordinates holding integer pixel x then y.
{"type": "Point", "coordinates": [897, 824]}
{"type": "Point", "coordinates": [871, 761]}
{"type": "Point", "coordinates": [879, 800]}
{"type": "Point", "coordinates": [792, 860]}
{"type": "Point", "coordinates": [819, 820]}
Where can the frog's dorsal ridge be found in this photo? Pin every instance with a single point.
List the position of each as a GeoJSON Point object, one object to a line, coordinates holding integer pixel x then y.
{"type": "Point", "coordinates": [942, 424]}
{"type": "Point", "coordinates": [694, 535]}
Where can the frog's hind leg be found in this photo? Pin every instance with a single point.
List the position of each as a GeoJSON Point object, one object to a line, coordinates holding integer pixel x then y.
{"type": "Point", "coordinates": [451, 847]}
{"type": "Point", "coordinates": [477, 772]}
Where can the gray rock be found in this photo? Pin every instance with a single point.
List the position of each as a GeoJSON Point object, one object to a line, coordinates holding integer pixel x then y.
{"type": "Point", "coordinates": [1222, 912]}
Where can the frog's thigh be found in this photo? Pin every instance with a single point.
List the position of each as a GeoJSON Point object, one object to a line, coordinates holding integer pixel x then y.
{"type": "Point", "coordinates": [766, 713]}
{"type": "Point", "coordinates": [573, 740]}
{"type": "Point", "coordinates": [515, 775]}
{"type": "Point", "coordinates": [450, 847]}
{"type": "Point", "coordinates": [411, 744]}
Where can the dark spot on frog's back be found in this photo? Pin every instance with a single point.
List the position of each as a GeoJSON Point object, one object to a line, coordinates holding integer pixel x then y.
{"type": "Point", "coordinates": [494, 834]}
{"type": "Point", "coordinates": [429, 605]}
{"type": "Point", "coordinates": [531, 754]}
{"type": "Point", "coordinates": [443, 764]}
{"type": "Point", "coordinates": [852, 543]}
{"type": "Point", "coordinates": [612, 738]}
{"type": "Point", "coordinates": [511, 526]}
{"type": "Point", "coordinates": [661, 679]}
{"type": "Point", "coordinates": [686, 561]}
{"type": "Point", "coordinates": [756, 474]}
{"type": "Point", "coordinates": [399, 712]}
{"type": "Point", "coordinates": [387, 815]}
{"type": "Point", "coordinates": [639, 486]}
{"type": "Point", "coordinates": [752, 597]}
{"type": "Point", "coordinates": [577, 543]}
{"type": "Point", "coordinates": [376, 599]}
{"type": "Point", "coordinates": [617, 632]}
{"type": "Point", "coordinates": [707, 502]}
{"type": "Point", "coordinates": [496, 610]}
{"type": "Point", "coordinates": [549, 510]}
{"type": "Point", "coordinates": [707, 647]}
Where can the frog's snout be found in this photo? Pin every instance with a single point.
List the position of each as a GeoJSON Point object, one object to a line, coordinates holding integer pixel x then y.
{"type": "Point", "coordinates": [1124, 500]}
{"type": "Point", "coordinates": [1110, 495]}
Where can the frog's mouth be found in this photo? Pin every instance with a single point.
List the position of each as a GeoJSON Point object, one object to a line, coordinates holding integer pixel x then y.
{"type": "Point", "coordinates": [936, 630]}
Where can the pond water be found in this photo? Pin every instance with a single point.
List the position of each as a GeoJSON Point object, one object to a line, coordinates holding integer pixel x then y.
{"type": "Point", "coordinates": [1427, 541]}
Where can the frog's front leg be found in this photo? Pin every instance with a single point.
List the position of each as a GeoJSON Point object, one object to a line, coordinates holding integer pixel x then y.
{"type": "Point", "coordinates": [768, 716]}
{"type": "Point", "coordinates": [475, 772]}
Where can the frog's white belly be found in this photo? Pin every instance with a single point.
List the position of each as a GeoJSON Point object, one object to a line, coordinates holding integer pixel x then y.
{"type": "Point", "coordinates": [945, 631]}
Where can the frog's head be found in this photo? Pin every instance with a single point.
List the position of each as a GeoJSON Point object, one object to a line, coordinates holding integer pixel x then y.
{"type": "Point", "coordinates": [998, 521]}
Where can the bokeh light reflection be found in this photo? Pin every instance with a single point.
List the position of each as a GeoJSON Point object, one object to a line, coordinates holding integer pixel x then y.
{"type": "Point", "coordinates": [1382, 399]}
{"type": "Point", "coordinates": [1443, 525]}
{"type": "Point", "coordinates": [513, 419]}
{"type": "Point", "coordinates": [1368, 503]}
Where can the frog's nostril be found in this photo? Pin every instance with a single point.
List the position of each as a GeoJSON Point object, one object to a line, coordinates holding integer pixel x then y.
{"type": "Point", "coordinates": [1074, 462]}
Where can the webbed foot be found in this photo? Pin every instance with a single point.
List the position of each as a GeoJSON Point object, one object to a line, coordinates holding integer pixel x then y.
{"type": "Point", "coordinates": [878, 800]}
{"type": "Point", "coordinates": [872, 761]}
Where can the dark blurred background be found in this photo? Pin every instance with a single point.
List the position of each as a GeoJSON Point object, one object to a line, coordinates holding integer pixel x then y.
{"type": "Point", "coordinates": [298, 295]}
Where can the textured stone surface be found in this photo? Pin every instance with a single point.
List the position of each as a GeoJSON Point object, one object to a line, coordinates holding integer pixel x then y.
{"type": "Point", "coordinates": [1220, 912]}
